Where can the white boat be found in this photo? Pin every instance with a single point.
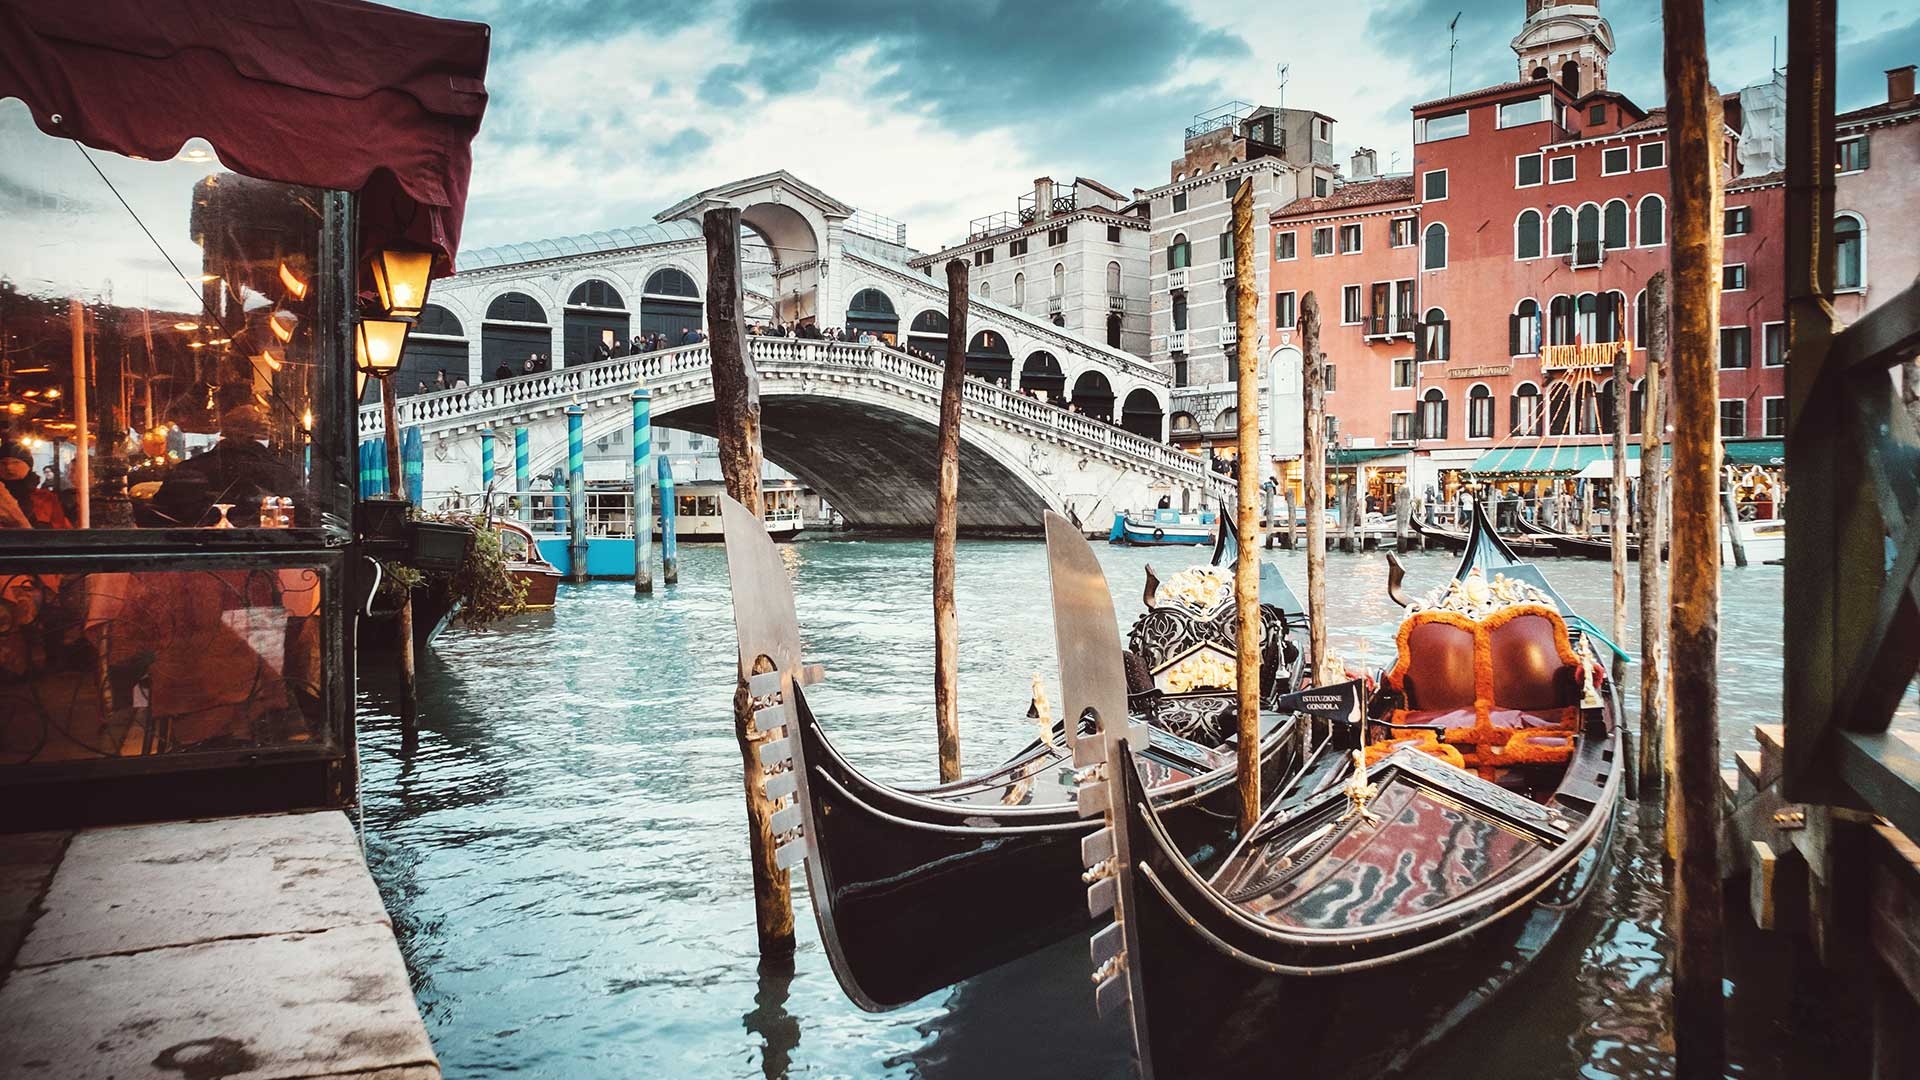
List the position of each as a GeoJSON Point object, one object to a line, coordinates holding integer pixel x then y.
{"type": "Point", "coordinates": [697, 510]}
{"type": "Point", "coordinates": [1765, 540]}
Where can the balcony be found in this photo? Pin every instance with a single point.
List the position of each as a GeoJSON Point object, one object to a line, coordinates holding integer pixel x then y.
{"type": "Point", "coordinates": [1227, 269]}
{"type": "Point", "coordinates": [1229, 333]}
{"type": "Point", "coordinates": [1056, 304]}
{"type": "Point", "coordinates": [1177, 341]}
{"type": "Point", "coordinates": [1387, 327]}
{"type": "Point", "coordinates": [1116, 302]}
{"type": "Point", "coordinates": [1586, 255]}
{"type": "Point", "coordinates": [1177, 277]}
{"type": "Point", "coordinates": [1031, 210]}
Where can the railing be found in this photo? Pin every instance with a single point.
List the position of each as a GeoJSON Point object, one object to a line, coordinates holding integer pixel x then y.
{"type": "Point", "coordinates": [551, 391]}
{"type": "Point", "coordinates": [1387, 326]}
{"type": "Point", "coordinates": [1056, 304]}
{"type": "Point", "coordinates": [1177, 341]}
{"type": "Point", "coordinates": [1177, 277]}
{"type": "Point", "coordinates": [1116, 302]}
{"type": "Point", "coordinates": [544, 512]}
{"type": "Point", "coordinates": [1586, 255]}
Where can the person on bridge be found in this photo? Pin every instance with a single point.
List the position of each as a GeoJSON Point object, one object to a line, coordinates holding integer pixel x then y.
{"type": "Point", "coordinates": [504, 371]}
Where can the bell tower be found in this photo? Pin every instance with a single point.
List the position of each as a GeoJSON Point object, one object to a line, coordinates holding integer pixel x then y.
{"type": "Point", "coordinates": [1567, 41]}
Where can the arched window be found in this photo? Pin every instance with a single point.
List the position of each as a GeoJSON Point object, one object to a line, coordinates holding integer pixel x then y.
{"type": "Point", "coordinates": [1587, 325]}
{"type": "Point", "coordinates": [1041, 373]}
{"type": "Point", "coordinates": [595, 325]}
{"type": "Point", "coordinates": [1613, 231]}
{"type": "Point", "coordinates": [1113, 279]}
{"type": "Point", "coordinates": [1570, 77]}
{"type": "Point", "coordinates": [1433, 253]}
{"type": "Point", "coordinates": [1586, 241]}
{"type": "Point", "coordinates": [1180, 311]}
{"type": "Point", "coordinates": [670, 282]}
{"type": "Point", "coordinates": [1179, 253]}
{"type": "Point", "coordinates": [1559, 409]}
{"type": "Point", "coordinates": [1433, 414]}
{"type": "Point", "coordinates": [872, 311]}
{"type": "Point", "coordinates": [1183, 423]}
{"type": "Point", "coordinates": [1526, 235]}
{"type": "Point", "coordinates": [1019, 290]}
{"type": "Point", "coordinates": [437, 320]}
{"type": "Point", "coordinates": [1653, 221]}
{"type": "Point", "coordinates": [1586, 410]}
{"type": "Point", "coordinates": [1560, 232]}
{"type": "Point", "coordinates": [1059, 280]}
{"type": "Point", "coordinates": [596, 293]}
{"type": "Point", "coordinates": [1525, 418]}
{"type": "Point", "coordinates": [1140, 413]}
{"type": "Point", "coordinates": [1479, 412]}
{"type": "Point", "coordinates": [1637, 407]}
{"type": "Point", "coordinates": [1607, 405]}
{"type": "Point", "coordinates": [1436, 336]}
{"type": "Point", "coordinates": [1613, 316]}
{"type": "Point", "coordinates": [670, 304]}
{"type": "Point", "coordinates": [1523, 337]}
{"type": "Point", "coordinates": [1849, 251]}
{"type": "Point", "coordinates": [986, 290]}
{"type": "Point", "coordinates": [1640, 320]}
{"type": "Point", "coordinates": [1560, 324]}
{"type": "Point", "coordinates": [1094, 395]}
{"type": "Point", "coordinates": [516, 307]}
{"type": "Point", "coordinates": [1228, 420]}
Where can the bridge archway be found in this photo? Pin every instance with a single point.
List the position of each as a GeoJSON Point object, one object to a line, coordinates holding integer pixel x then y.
{"type": "Point", "coordinates": [1140, 414]}
{"type": "Point", "coordinates": [514, 332]}
{"type": "Point", "coordinates": [669, 303]}
{"type": "Point", "coordinates": [595, 309]}
{"type": "Point", "coordinates": [872, 310]}
{"type": "Point", "coordinates": [437, 343]}
{"type": "Point", "coordinates": [989, 356]}
{"type": "Point", "coordinates": [1042, 374]}
{"type": "Point", "coordinates": [1094, 394]}
{"type": "Point", "coordinates": [928, 333]}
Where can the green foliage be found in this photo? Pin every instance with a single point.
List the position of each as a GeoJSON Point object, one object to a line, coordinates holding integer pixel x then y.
{"type": "Point", "coordinates": [485, 586]}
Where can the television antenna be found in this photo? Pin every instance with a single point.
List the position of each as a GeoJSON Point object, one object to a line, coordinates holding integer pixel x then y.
{"type": "Point", "coordinates": [1453, 42]}
{"type": "Point", "coordinates": [1280, 72]}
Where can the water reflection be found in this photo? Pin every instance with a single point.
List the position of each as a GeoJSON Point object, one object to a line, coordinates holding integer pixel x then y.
{"type": "Point", "coordinates": [564, 852]}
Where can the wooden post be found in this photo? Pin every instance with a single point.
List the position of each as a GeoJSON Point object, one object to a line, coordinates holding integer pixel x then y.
{"type": "Point", "coordinates": [1266, 513]}
{"type": "Point", "coordinates": [736, 407]}
{"type": "Point", "coordinates": [946, 521]}
{"type": "Point", "coordinates": [1617, 526]}
{"type": "Point", "coordinates": [642, 490]}
{"type": "Point", "coordinates": [1693, 788]}
{"type": "Point", "coordinates": [1288, 541]}
{"type": "Point", "coordinates": [1732, 516]}
{"type": "Point", "coordinates": [409, 689]}
{"type": "Point", "coordinates": [1313, 482]}
{"type": "Point", "coordinates": [1246, 568]}
{"type": "Point", "coordinates": [1653, 544]}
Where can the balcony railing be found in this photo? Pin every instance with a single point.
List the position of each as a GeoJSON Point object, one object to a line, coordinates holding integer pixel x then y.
{"type": "Point", "coordinates": [1387, 326]}
{"type": "Point", "coordinates": [1056, 304]}
{"type": "Point", "coordinates": [1116, 302]}
{"type": "Point", "coordinates": [1229, 333]}
{"type": "Point", "coordinates": [1177, 277]}
{"type": "Point", "coordinates": [1587, 254]}
{"type": "Point", "coordinates": [1177, 341]}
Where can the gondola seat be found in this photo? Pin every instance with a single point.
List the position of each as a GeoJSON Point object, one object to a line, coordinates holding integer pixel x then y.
{"type": "Point", "coordinates": [1502, 687]}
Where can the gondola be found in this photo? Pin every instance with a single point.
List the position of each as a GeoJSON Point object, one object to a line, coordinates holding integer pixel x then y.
{"type": "Point", "coordinates": [916, 889]}
{"type": "Point", "coordinates": [1367, 919]}
{"type": "Point", "coordinates": [1585, 547]}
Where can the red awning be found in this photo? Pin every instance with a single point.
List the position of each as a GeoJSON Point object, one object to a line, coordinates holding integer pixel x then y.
{"type": "Point", "coordinates": [328, 93]}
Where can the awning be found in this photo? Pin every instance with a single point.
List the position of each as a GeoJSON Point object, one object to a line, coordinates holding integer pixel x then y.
{"type": "Point", "coordinates": [327, 93]}
{"type": "Point", "coordinates": [1766, 452]}
{"type": "Point", "coordinates": [1349, 456]}
{"type": "Point", "coordinates": [1544, 460]}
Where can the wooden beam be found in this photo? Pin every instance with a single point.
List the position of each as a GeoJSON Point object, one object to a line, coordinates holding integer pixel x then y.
{"type": "Point", "coordinates": [1246, 567]}
{"type": "Point", "coordinates": [1617, 505]}
{"type": "Point", "coordinates": [946, 510]}
{"type": "Point", "coordinates": [1313, 481]}
{"type": "Point", "coordinates": [1693, 802]}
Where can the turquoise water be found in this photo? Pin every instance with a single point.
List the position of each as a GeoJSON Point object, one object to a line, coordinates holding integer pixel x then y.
{"type": "Point", "coordinates": [564, 852]}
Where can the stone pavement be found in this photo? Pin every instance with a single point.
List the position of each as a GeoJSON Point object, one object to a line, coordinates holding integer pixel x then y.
{"type": "Point", "coordinates": [250, 947]}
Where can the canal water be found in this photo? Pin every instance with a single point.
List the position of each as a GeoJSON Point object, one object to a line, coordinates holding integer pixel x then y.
{"type": "Point", "coordinates": [564, 852]}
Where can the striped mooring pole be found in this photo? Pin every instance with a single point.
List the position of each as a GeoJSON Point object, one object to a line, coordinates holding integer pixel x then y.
{"type": "Point", "coordinates": [669, 537]}
{"type": "Point", "coordinates": [642, 490]}
{"type": "Point", "coordinates": [486, 465]}
{"type": "Point", "coordinates": [522, 473]}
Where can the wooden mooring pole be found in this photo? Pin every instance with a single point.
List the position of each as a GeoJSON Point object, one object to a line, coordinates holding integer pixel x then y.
{"type": "Point", "coordinates": [1313, 482]}
{"type": "Point", "coordinates": [1246, 568]}
{"type": "Point", "coordinates": [736, 408]}
{"type": "Point", "coordinates": [396, 482]}
{"type": "Point", "coordinates": [1617, 505]}
{"type": "Point", "coordinates": [946, 524]}
{"type": "Point", "coordinates": [1654, 686]}
{"type": "Point", "coordinates": [1693, 787]}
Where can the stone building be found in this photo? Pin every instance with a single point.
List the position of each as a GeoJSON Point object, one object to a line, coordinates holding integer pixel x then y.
{"type": "Point", "coordinates": [1876, 199]}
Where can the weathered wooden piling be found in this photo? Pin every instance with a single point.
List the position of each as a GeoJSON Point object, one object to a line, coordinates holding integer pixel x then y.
{"type": "Point", "coordinates": [642, 490]}
{"type": "Point", "coordinates": [396, 479]}
{"type": "Point", "coordinates": [736, 407]}
{"type": "Point", "coordinates": [1313, 483]}
{"type": "Point", "coordinates": [1617, 505]}
{"type": "Point", "coordinates": [1693, 799]}
{"type": "Point", "coordinates": [1654, 686]}
{"type": "Point", "coordinates": [1732, 519]}
{"type": "Point", "coordinates": [576, 494]}
{"type": "Point", "coordinates": [946, 525]}
{"type": "Point", "coordinates": [1246, 568]}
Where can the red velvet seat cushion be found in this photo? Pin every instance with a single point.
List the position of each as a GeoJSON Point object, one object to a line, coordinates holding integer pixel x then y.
{"type": "Point", "coordinates": [1529, 672]}
{"type": "Point", "coordinates": [1439, 671]}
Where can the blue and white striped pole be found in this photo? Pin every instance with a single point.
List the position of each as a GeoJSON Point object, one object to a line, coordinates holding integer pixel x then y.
{"type": "Point", "coordinates": [413, 465]}
{"type": "Point", "coordinates": [576, 494]}
{"type": "Point", "coordinates": [642, 490]}
{"type": "Point", "coordinates": [486, 462]}
{"type": "Point", "coordinates": [669, 536]}
{"type": "Point", "coordinates": [522, 473]}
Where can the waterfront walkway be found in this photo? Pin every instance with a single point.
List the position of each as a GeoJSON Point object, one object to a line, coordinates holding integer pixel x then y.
{"type": "Point", "coordinates": [251, 947]}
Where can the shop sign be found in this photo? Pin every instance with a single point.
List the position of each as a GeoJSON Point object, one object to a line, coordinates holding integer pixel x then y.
{"type": "Point", "coordinates": [1480, 371]}
{"type": "Point", "coordinates": [1595, 354]}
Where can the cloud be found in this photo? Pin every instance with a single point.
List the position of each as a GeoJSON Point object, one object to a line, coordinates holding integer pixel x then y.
{"type": "Point", "coordinates": [682, 143]}
{"type": "Point", "coordinates": [1864, 59]}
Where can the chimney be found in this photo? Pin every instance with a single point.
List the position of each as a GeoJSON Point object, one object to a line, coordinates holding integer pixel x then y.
{"type": "Point", "coordinates": [1900, 84]}
{"type": "Point", "coordinates": [1366, 165]}
{"type": "Point", "coordinates": [1042, 197]}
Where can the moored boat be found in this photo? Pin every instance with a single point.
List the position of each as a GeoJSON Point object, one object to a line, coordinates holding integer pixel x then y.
{"type": "Point", "coordinates": [697, 514]}
{"type": "Point", "coordinates": [914, 889]}
{"type": "Point", "coordinates": [1367, 919]}
{"type": "Point", "coordinates": [525, 562]}
{"type": "Point", "coordinates": [1162, 527]}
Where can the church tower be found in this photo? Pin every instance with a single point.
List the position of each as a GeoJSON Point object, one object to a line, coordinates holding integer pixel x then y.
{"type": "Point", "coordinates": [1567, 41]}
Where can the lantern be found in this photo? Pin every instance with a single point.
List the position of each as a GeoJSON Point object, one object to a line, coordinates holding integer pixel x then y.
{"type": "Point", "coordinates": [401, 276]}
{"type": "Point", "coordinates": [377, 346]}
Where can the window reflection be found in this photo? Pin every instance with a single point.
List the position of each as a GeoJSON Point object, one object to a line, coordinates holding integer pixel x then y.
{"type": "Point", "coordinates": [157, 340]}
{"type": "Point", "coordinates": [112, 664]}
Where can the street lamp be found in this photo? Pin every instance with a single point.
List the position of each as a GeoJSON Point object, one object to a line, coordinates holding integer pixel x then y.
{"type": "Point", "coordinates": [377, 344]}
{"type": "Point", "coordinates": [401, 277]}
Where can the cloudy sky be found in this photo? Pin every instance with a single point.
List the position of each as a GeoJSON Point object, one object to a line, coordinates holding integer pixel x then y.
{"type": "Point", "coordinates": [605, 111]}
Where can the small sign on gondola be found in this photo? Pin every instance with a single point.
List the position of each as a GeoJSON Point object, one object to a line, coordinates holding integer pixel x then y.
{"type": "Point", "coordinates": [1340, 701]}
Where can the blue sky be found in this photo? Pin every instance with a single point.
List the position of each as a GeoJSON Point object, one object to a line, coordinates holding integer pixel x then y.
{"type": "Point", "coordinates": [605, 111]}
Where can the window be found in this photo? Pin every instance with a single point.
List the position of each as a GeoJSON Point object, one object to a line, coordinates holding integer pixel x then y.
{"type": "Point", "coordinates": [1653, 155]}
{"type": "Point", "coordinates": [1773, 417]}
{"type": "Point", "coordinates": [1329, 378]}
{"type": "Point", "coordinates": [1349, 305]}
{"type": "Point", "coordinates": [1849, 252]}
{"type": "Point", "coordinates": [1525, 418]}
{"type": "Point", "coordinates": [1433, 254]}
{"type": "Point", "coordinates": [1733, 277]}
{"type": "Point", "coordinates": [1597, 115]}
{"type": "Point", "coordinates": [1850, 155]}
{"type": "Point", "coordinates": [1607, 403]}
{"type": "Point", "coordinates": [1433, 185]}
{"type": "Point", "coordinates": [1019, 290]}
{"type": "Point", "coordinates": [1640, 320]}
{"type": "Point", "coordinates": [1179, 369]}
{"type": "Point", "coordinates": [1479, 412]}
{"type": "Point", "coordinates": [1179, 202]}
{"type": "Point", "coordinates": [1179, 253]}
{"type": "Point", "coordinates": [983, 257]}
{"type": "Point", "coordinates": [1526, 171]}
{"type": "Point", "coordinates": [1773, 344]}
{"type": "Point", "coordinates": [1435, 339]}
{"type": "Point", "coordinates": [1586, 410]}
{"type": "Point", "coordinates": [1653, 221]}
{"type": "Point", "coordinates": [1059, 280]}
{"type": "Point", "coordinates": [1400, 232]}
{"type": "Point", "coordinates": [1736, 347]}
{"type": "Point", "coordinates": [1523, 329]}
{"type": "Point", "coordinates": [1323, 129]}
{"type": "Point", "coordinates": [986, 290]}
{"type": "Point", "coordinates": [1284, 315]}
{"type": "Point", "coordinates": [1404, 370]}
{"type": "Point", "coordinates": [1349, 239]}
{"type": "Point", "coordinates": [1733, 418]}
{"type": "Point", "coordinates": [1613, 316]}
{"type": "Point", "coordinates": [1560, 170]}
{"type": "Point", "coordinates": [1559, 409]}
{"type": "Point", "coordinates": [1560, 321]}
{"type": "Point", "coordinates": [1739, 221]}
{"type": "Point", "coordinates": [1323, 240]}
{"type": "Point", "coordinates": [1113, 234]}
{"type": "Point", "coordinates": [1586, 239]}
{"type": "Point", "coordinates": [1530, 111]}
{"type": "Point", "coordinates": [1587, 316]}
{"type": "Point", "coordinates": [1056, 236]}
{"type": "Point", "coordinates": [1560, 232]}
{"type": "Point", "coordinates": [1402, 429]}
{"type": "Point", "coordinates": [1321, 188]}
{"type": "Point", "coordinates": [1017, 247]}
{"type": "Point", "coordinates": [1615, 160]}
{"type": "Point", "coordinates": [1433, 414]}
{"type": "Point", "coordinates": [1180, 311]}
{"type": "Point", "coordinates": [1233, 186]}
{"type": "Point", "coordinates": [1613, 230]}
{"type": "Point", "coordinates": [1285, 245]}
{"type": "Point", "coordinates": [1435, 128]}
{"type": "Point", "coordinates": [1526, 235]}
{"type": "Point", "coordinates": [1636, 406]}
{"type": "Point", "coordinates": [1226, 247]}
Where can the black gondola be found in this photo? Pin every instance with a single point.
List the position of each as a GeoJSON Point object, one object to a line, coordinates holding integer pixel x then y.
{"type": "Point", "coordinates": [1585, 547]}
{"type": "Point", "coordinates": [1366, 919]}
{"type": "Point", "coordinates": [916, 889]}
{"type": "Point", "coordinates": [1456, 540]}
